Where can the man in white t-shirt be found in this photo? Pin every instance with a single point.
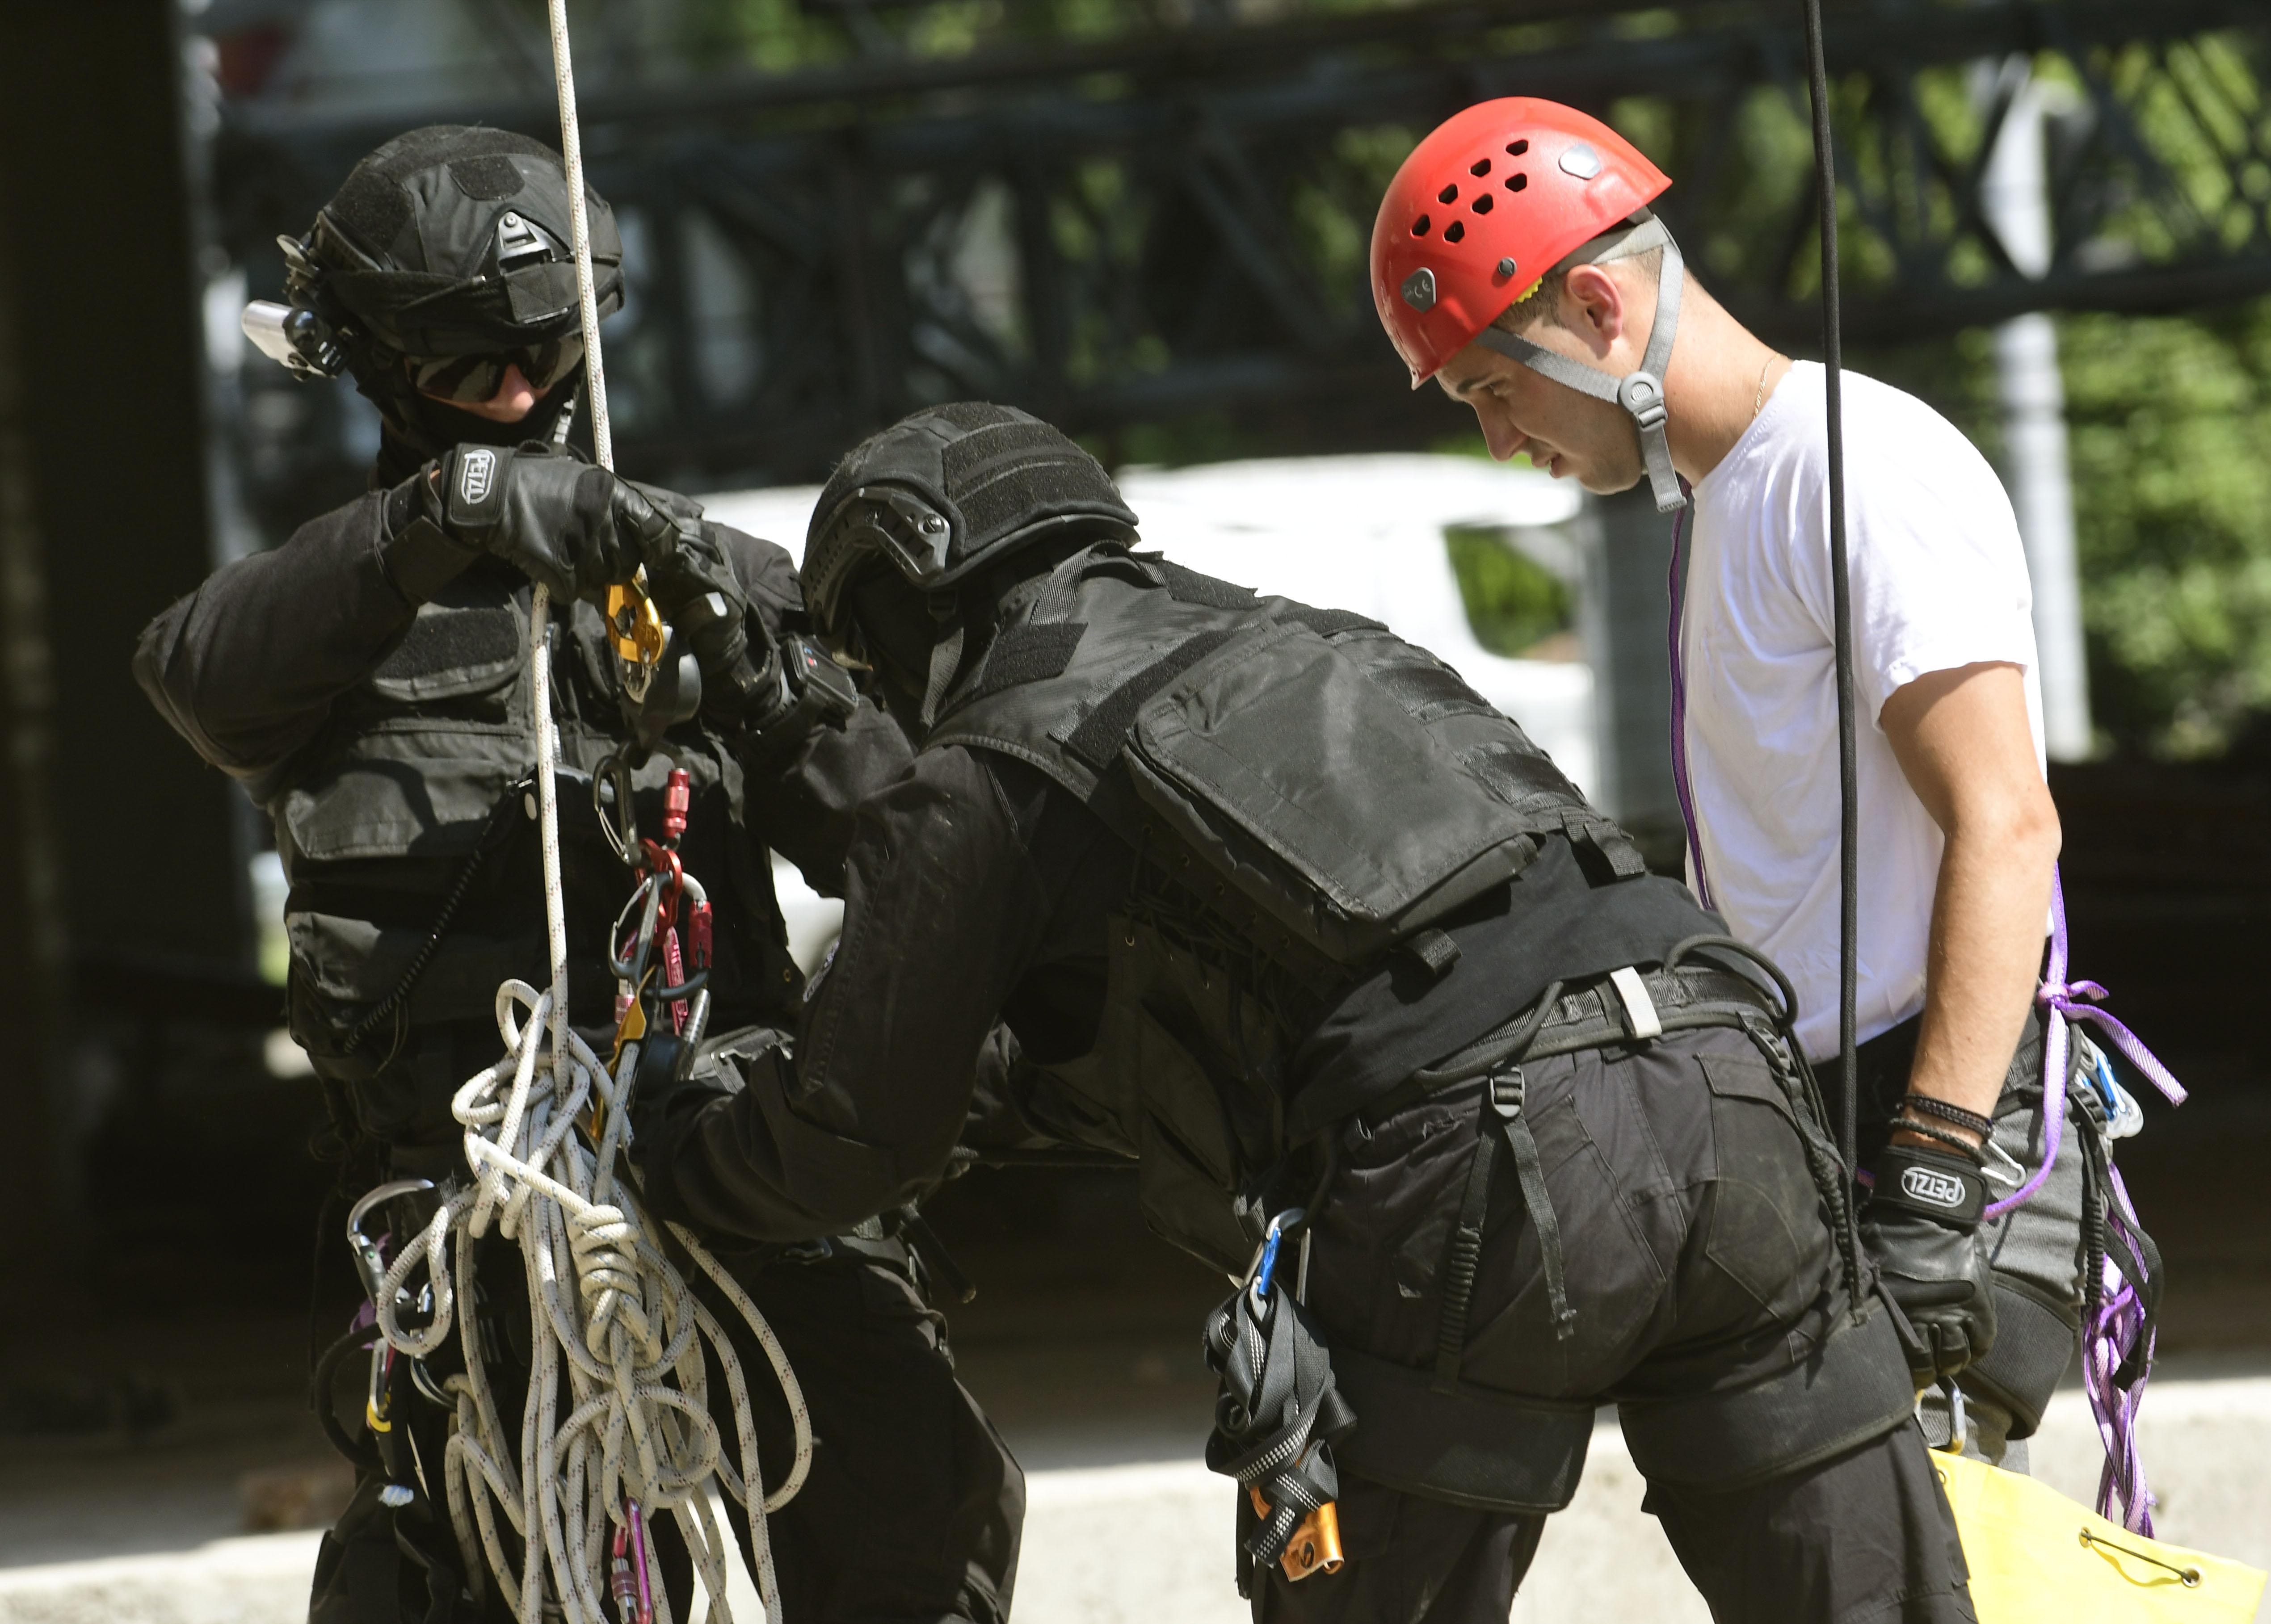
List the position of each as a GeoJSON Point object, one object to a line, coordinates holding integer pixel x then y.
{"type": "Point", "coordinates": [1520, 268]}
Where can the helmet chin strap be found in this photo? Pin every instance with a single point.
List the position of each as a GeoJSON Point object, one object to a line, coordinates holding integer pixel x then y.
{"type": "Point", "coordinates": [1641, 393]}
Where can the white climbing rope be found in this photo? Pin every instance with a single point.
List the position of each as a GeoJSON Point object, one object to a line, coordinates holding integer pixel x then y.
{"type": "Point", "coordinates": [612, 1322]}
{"type": "Point", "coordinates": [618, 1337]}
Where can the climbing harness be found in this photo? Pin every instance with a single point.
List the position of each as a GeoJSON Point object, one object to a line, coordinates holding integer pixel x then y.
{"type": "Point", "coordinates": [2121, 1271]}
{"type": "Point", "coordinates": [616, 1427]}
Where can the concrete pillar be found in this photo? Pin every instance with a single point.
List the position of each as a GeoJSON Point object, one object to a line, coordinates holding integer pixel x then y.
{"type": "Point", "coordinates": [2032, 397]}
{"type": "Point", "coordinates": [41, 1159]}
{"type": "Point", "coordinates": [1624, 617]}
{"type": "Point", "coordinates": [113, 357]}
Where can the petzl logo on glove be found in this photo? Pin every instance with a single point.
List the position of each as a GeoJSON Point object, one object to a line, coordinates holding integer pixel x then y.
{"type": "Point", "coordinates": [1934, 1189]}
{"type": "Point", "coordinates": [476, 477]}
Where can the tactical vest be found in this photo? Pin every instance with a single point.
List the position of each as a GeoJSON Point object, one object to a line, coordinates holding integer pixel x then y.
{"type": "Point", "coordinates": [1305, 792]}
{"type": "Point", "coordinates": [427, 762]}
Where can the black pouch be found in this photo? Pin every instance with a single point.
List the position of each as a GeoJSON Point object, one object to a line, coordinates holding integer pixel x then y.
{"type": "Point", "coordinates": [1473, 1446]}
{"type": "Point", "coordinates": [382, 1565]}
{"type": "Point", "coordinates": [1298, 829]}
{"type": "Point", "coordinates": [1855, 1388]}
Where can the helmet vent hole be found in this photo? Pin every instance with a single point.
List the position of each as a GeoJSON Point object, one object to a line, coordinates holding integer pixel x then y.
{"type": "Point", "coordinates": [1419, 226]}
{"type": "Point", "coordinates": [1483, 201]}
{"type": "Point", "coordinates": [1454, 232]}
{"type": "Point", "coordinates": [1449, 194]}
{"type": "Point", "coordinates": [1517, 148]}
{"type": "Point", "coordinates": [1481, 165]}
{"type": "Point", "coordinates": [1515, 183]}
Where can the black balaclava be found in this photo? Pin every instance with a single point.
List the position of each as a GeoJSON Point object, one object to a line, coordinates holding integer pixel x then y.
{"type": "Point", "coordinates": [898, 630]}
{"type": "Point", "coordinates": [452, 241]}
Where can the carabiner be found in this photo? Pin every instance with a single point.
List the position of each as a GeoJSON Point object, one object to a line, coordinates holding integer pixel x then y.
{"type": "Point", "coordinates": [371, 1262]}
{"type": "Point", "coordinates": [1289, 1219]}
{"type": "Point", "coordinates": [611, 782]}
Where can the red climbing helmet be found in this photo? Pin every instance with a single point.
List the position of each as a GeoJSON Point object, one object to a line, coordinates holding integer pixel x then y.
{"type": "Point", "coordinates": [1484, 208]}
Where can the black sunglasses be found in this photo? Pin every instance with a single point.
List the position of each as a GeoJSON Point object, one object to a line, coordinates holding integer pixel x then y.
{"type": "Point", "coordinates": [468, 379]}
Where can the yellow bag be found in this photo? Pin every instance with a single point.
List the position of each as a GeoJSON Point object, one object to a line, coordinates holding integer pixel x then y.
{"type": "Point", "coordinates": [2035, 1555]}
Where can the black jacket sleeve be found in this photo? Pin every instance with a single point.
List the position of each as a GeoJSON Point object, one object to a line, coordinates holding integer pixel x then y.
{"type": "Point", "coordinates": [807, 795]}
{"type": "Point", "coordinates": [942, 907]}
{"type": "Point", "coordinates": [247, 666]}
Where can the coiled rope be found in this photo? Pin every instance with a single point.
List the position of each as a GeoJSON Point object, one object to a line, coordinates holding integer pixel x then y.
{"type": "Point", "coordinates": [613, 1321]}
{"type": "Point", "coordinates": [618, 1337]}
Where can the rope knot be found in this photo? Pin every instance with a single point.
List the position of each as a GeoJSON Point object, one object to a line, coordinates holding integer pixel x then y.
{"type": "Point", "coordinates": [605, 1242]}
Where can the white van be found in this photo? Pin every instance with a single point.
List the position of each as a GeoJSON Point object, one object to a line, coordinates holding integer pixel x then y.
{"type": "Point", "coordinates": [1364, 533]}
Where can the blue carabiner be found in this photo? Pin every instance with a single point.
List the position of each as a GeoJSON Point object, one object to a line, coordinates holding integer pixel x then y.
{"type": "Point", "coordinates": [1288, 1219]}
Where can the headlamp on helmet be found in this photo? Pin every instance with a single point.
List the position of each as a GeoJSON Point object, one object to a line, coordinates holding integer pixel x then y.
{"type": "Point", "coordinates": [293, 335]}
{"type": "Point", "coordinates": [297, 339]}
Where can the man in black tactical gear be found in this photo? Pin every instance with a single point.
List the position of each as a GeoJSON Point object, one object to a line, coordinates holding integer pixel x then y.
{"type": "Point", "coordinates": [1274, 902]}
{"type": "Point", "coordinates": [367, 682]}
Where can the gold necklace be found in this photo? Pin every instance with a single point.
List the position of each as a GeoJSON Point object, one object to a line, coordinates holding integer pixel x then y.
{"type": "Point", "coordinates": [1759, 394]}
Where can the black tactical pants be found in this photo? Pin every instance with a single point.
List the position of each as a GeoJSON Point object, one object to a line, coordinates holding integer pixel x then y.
{"type": "Point", "coordinates": [914, 1507]}
{"type": "Point", "coordinates": [1698, 1260]}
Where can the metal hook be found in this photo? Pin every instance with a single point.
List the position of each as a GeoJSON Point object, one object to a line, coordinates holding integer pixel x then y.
{"type": "Point", "coordinates": [1289, 1219]}
{"type": "Point", "coordinates": [611, 780]}
{"type": "Point", "coordinates": [369, 1262]}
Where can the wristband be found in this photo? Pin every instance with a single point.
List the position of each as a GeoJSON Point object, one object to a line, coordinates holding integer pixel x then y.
{"type": "Point", "coordinates": [1940, 1136]}
{"type": "Point", "coordinates": [1984, 1126]}
{"type": "Point", "coordinates": [1932, 1183]}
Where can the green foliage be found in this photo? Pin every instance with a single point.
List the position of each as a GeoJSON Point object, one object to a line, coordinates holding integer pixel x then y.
{"type": "Point", "coordinates": [2171, 416]}
{"type": "Point", "coordinates": [1511, 602]}
{"type": "Point", "coordinates": [2170, 420]}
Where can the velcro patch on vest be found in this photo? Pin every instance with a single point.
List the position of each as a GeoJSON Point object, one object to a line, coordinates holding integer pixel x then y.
{"type": "Point", "coordinates": [1187, 586]}
{"type": "Point", "coordinates": [1517, 777]}
{"type": "Point", "coordinates": [1099, 738]}
{"type": "Point", "coordinates": [451, 640]}
{"type": "Point", "coordinates": [1029, 652]}
{"type": "Point", "coordinates": [1330, 622]}
{"type": "Point", "coordinates": [1429, 693]}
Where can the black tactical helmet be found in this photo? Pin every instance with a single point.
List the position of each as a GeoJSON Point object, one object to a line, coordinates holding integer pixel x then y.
{"type": "Point", "coordinates": [944, 491]}
{"type": "Point", "coordinates": [447, 248]}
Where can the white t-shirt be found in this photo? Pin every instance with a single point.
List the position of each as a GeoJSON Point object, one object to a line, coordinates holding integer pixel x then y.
{"type": "Point", "coordinates": [1939, 580]}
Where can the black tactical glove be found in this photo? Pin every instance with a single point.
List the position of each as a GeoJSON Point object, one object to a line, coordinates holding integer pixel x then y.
{"type": "Point", "coordinates": [568, 526]}
{"type": "Point", "coordinates": [695, 586]}
{"type": "Point", "coordinates": [1921, 1224]}
{"type": "Point", "coordinates": [664, 1113]}
{"type": "Point", "coordinates": [774, 692]}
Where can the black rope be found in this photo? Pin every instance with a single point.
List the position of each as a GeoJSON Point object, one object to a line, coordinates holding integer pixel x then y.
{"type": "Point", "coordinates": [360, 1451]}
{"type": "Point", "coordinates": [1841, 593]}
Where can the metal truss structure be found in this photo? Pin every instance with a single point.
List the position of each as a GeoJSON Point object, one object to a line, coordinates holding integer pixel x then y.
{"type": "Point", "coordinates": [1171, 227]}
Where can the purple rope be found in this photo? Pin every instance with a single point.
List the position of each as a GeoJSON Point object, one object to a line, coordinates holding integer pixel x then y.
{"type": "Point", "coordinates": [2061, 1002]}
{"type": "Point", "coordinates": [1680, 706]}
{"type": "Point", "coordinates": [2112, 1334]}
{"type": "Point", "coordinates": [2109, 1340]}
